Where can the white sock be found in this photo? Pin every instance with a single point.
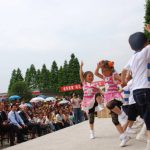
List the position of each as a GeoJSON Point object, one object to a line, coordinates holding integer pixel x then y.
{"type": "Point", "coordinates": [91, 131]}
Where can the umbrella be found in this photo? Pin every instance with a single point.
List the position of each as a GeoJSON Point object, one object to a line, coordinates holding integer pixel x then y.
{"type": "Point", "coordinates": [43, 96]}
{"type": "Point", "coordinates": [64, 101]}
{"type": "Point", "coordinates": [28, 105]}
{"type": "Point", "coordinates": [37, 99]}
{"type": "Point", "coordinates": [50, 99]}
{"type": "Point", "coordinates": [14, 97]}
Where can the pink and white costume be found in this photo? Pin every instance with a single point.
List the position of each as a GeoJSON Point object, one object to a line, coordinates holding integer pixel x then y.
{"type": "Point", "coordinates": [89, 89]}
{"type": "Point", "coordinates": [111, 89]}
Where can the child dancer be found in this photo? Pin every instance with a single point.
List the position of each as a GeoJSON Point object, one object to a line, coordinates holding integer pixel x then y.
{"type": "Point", "coordinates": [112, 97]}
{"type": "Point", "coordinates": [139, 65]}
{"type": "Point", "coordinates": [90, 98]}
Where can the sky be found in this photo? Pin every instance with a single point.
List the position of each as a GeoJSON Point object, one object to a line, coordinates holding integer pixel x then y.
{"type": "Point", "coordinates": [41, 31]}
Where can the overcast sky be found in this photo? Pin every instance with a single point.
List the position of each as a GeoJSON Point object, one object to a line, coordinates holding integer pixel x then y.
{"type": "Point", "coordinates": [40, 31]}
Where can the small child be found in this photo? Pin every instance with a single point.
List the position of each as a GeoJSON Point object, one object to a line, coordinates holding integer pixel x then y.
{"type": "Point", "coordinates": [139, 65]}
{"type": "Point", "coordinates": [90, 99]}
{"type": "Point", "coordinates": [112, 97]}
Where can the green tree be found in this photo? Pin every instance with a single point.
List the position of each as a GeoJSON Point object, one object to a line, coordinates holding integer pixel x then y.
{"type": "Point", "coordinates": [15, 77]}
{"type": "Point", "coordinates": [44, 79]}
{"type": "Point", "coordinates": [147, 16]}
{"type": "Point", "coordinates": [12, 80]}
{"type": "Point", "coordinates": [65, 75]}
{"type": "Point", "coordinates": [19, 75]}
{"type": "Point", "coordinates": [38, 76]}
{"type": "Point", "coordinates": [54, 78]}
{"type": "Point", "coordinates": [60, 76]}
{"type": "Point", "coordinates": [73, 70]}
{"type": "Point", "coordinates": [31, 78]}
{"type": "Point", "coordinates": [20, 88]}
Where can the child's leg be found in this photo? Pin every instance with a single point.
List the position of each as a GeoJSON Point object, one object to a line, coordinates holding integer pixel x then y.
{"type": "Point", "coordinates": [123, 137]}
{"type": "Point", "coordinates": [132, 115]}
{"type": "Point", "coordinates": [116, 122]}
{"type": "Point", "coordinates": [91, 124]}
{"type": "Point", "coordinates": [91, 120]}
{"type": "Point", "coordinates": [116, 110]}
{"type": "Point", "coordinates": [142, 98]}
{"type": "Point", "coordinates": [115, 107]}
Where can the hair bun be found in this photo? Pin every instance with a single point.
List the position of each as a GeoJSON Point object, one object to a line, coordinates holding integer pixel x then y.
{"type": "Point", "coordinates": [111, 64]}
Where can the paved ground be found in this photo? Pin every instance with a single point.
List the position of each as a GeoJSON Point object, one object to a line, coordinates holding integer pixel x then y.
{"type": "Point", "coordinates": [77, 138]}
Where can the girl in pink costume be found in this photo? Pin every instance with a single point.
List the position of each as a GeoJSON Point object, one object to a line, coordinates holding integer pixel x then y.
{"type": "Point", "coordinates": [90, 101]}
{"type": "Point", "coordinates": [112, 97]}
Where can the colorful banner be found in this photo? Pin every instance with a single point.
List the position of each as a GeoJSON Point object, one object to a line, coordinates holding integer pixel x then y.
{"type": "Point", "coordinates": [75, 87]}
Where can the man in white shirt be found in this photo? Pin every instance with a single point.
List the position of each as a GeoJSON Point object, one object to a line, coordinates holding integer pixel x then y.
{"type": "Point", "coordinates": [18, 123]}
{"type": "Point", "coordinates": [139, 65]}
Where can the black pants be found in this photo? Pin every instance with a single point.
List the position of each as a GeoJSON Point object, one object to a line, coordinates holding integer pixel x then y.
{"type": "Point", "coordinates": [133, 112]}
{"type": "Point", "coordinates": [91, 114]}
{"type": "Point", "coordinates": [142, 98]}
{"type": "Point", "coordinates": [112, 104]}
{"type": "Point", "coordinates": [10, 129]}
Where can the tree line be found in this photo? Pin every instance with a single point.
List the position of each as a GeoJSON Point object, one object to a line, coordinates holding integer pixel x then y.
{"type": "Point", "coordinates": [46, 80]}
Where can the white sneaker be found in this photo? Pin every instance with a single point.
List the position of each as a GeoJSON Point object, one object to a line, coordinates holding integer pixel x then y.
{"type": "Point", "coordinates": [122, 118]}
{"type": "Point", "coordinates": [141, 137]}
{"type": "Point", "coordinates": [130, 131]}
{"type": "Point", "coordinates": [124, 141]}
{"type": "Point", "coordinates": [92, 136]}
{"type": "Point", "coordinates": [122, 136]}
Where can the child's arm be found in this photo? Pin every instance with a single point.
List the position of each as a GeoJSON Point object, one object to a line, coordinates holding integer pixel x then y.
{"type": "Point", "coordinates": [123, 77]}
{"type": "Point", "coordinates": [81, 72]}
{"type": "Point", "coordinates": [97, 71]}
{"type": "Point", "coordinates": [117, 77]}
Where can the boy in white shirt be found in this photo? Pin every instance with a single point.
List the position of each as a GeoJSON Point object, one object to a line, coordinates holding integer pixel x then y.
{"type": "Point", "coordinates": [139, 65]}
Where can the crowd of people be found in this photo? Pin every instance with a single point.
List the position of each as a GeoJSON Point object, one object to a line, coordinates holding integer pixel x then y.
{"type": "Point", "coordinates": [22, 122]}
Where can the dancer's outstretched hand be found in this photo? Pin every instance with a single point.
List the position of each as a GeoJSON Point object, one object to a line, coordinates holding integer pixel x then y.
{"type": "Point", "coordinates": [81, 64]}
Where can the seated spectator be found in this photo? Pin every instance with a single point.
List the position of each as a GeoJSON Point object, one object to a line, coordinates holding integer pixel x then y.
{"type": "Point", "coordinates": [5, 127]}
{"type": "Point", "coordinates": [43, 126]}
{"type": "Point", "coordinates": [48, 121]}
{"type": "Point", "coordinates": [59, 120]}
{"type": "Point", "coordinates": [66, 120]}
{"type": "Point", "coordinates": [18, 123]}
{"type": "Point", "coordinates": [33, 127]}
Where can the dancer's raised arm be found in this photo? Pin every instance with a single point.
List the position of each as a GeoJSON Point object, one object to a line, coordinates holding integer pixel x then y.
{"type": "Point", "coordinates": [81, 72]}
{"type": "Point", "coordinates": [99, 65]}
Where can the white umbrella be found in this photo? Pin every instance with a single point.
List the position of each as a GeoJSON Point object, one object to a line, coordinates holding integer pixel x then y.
{"type": "Point", "coordinates": [64, 101]}
{"type": "Point", "coordinates": [37, 99]}
{"type": "Point", "coordinates": [50, 99]}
